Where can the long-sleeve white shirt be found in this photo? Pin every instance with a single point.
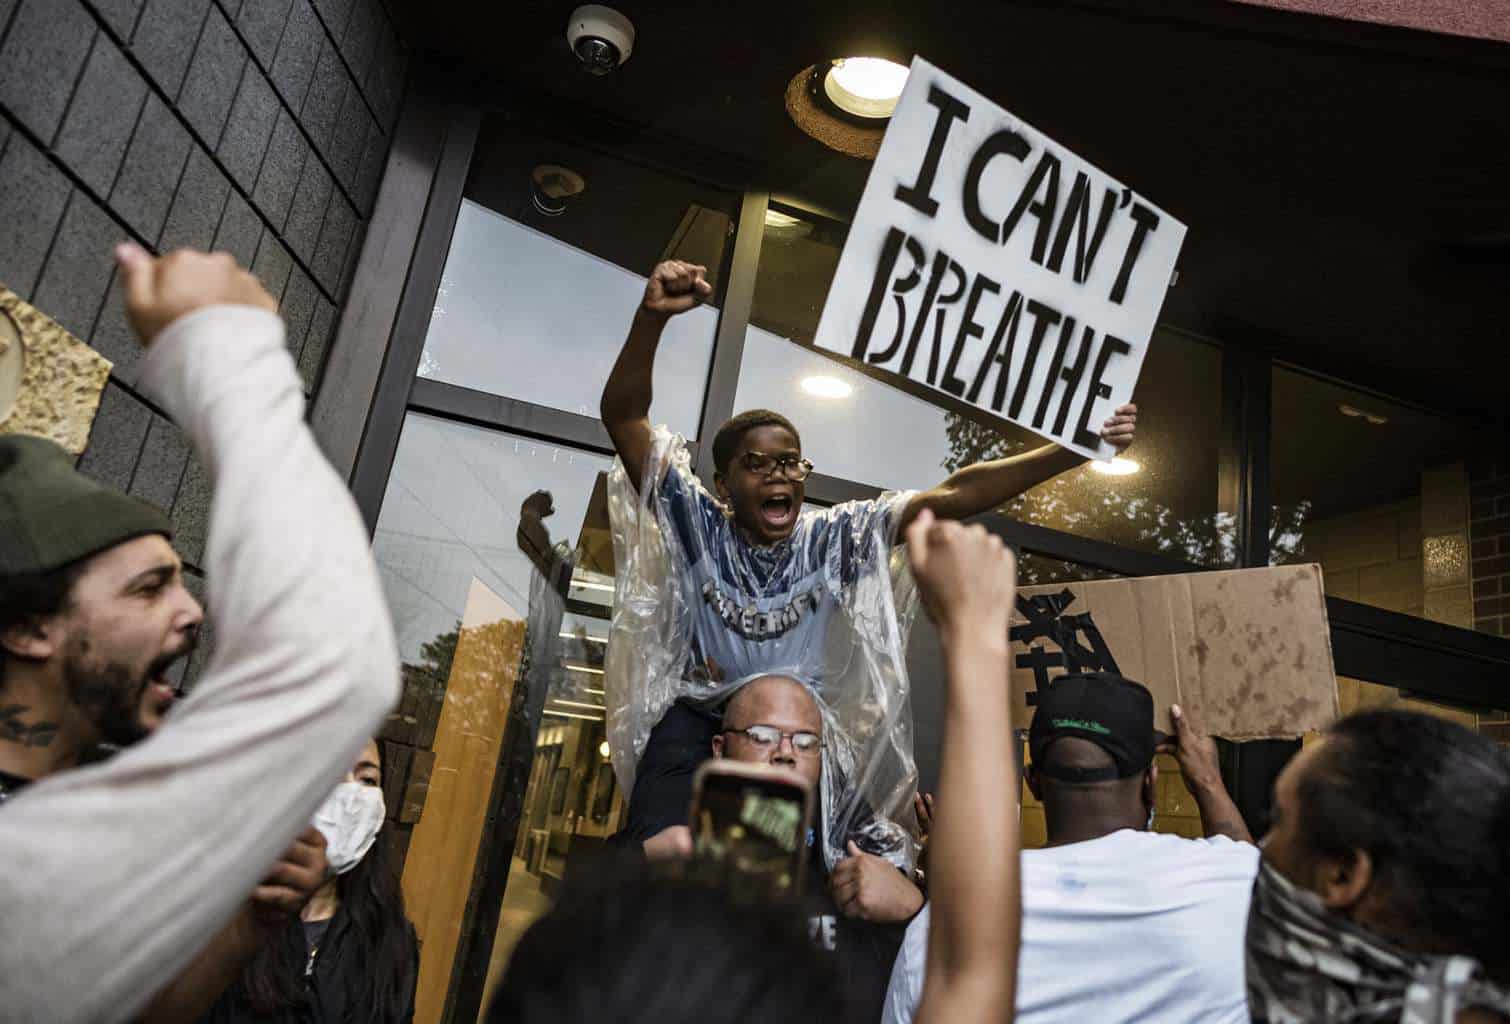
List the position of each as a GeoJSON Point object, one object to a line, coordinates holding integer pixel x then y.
{"type": "Point", "coordinates": [113, 877]}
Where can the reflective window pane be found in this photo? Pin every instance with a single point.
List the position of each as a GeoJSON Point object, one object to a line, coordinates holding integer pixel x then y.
{"type": "Point", "coordinates": [1379, 494]}
{"type": "Point", "coordinates": [483, 539]}
{"type": "Point", "coordinates": [451, 514]}
{"type": "Point", "coordinates": [1037, 570]}
{"type": "Point", "coordinates": [856, 427]}
{"type": "Point", "coordinates": [534, 305]}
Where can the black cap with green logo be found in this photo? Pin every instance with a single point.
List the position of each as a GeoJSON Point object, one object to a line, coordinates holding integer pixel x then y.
{"type": "Point", "coordinates": [1111, 711]}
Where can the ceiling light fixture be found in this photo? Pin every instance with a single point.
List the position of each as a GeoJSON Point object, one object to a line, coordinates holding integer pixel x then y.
{"type": "Point", "coordinates": [1116, 467]}
{"type": "Point", "coordinates": [576, 704]}
{"type": "Point", "coordinates": [824, 386]}
{"type": "Point", "coordinates": [785, 226]}
{"type": "Point", "coordinates": [867, 87]}
{"type": "Point", "coordinates": [551, 186]}
{"type": "Point", "coordinates": [1353, 412]}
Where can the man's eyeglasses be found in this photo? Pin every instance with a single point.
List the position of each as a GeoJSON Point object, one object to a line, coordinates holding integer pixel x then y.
{"type": "Point", "coordinates": [768, 737]}
{"type": "Point", "coordinates": [793, 467]}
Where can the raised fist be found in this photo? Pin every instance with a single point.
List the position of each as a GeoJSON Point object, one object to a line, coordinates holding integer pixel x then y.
{"type": "Point", "coordinates": [159, 291]}
{"type": "Point", "coordinates": [966, 576]}
{"type": "Point", "coordinates": [675, 287]}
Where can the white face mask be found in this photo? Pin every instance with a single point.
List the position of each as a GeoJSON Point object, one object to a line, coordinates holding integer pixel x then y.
{"type": "Point", "coordinates": [349, 819]}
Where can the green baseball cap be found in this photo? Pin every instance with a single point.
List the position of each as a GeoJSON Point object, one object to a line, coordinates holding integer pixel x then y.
{"type": "Point", "coordinates": [52, 515]}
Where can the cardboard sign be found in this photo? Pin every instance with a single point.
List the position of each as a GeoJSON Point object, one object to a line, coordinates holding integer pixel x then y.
{"type": "Point", "coordinates": [50, 381]}
{"type": "Point", "coordinates": [1246, 653]}
{"type": "Point", "coordinates": [991, 263]}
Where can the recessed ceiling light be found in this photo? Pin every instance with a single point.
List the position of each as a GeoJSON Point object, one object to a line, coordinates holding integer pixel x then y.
{"type": "Point", "coordinates": [826, 387]}
{"type": "Point", "coordinates": [1116, 467]}
{"type": "Point", "coordinates": [866, 87]}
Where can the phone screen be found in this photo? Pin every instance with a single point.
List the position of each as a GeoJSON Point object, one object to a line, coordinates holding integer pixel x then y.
{"type": "Point", "coordinates": [752, 831]}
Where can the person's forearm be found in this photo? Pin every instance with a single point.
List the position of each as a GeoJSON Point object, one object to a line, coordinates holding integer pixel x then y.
{"type": "Point", "coordinates": [117, 875]}
{"type": "Point", "coordinates": [973, 937]}
{"type": "Point", "coordinates": [628, 392]}
{"type": "Point", "coordinates": [1219, 815]}
{"type": "Point", "coordinates": [988, 485]}
{"type": "Point", "coordinates": [190, 996]}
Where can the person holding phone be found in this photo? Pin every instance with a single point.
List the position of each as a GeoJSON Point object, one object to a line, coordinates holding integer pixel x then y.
{"type": "Point", "coordinates": [859, 910]}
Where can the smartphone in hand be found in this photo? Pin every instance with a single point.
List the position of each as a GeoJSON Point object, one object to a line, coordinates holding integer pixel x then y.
{"type": "Point", "coordinates": [750, 826]}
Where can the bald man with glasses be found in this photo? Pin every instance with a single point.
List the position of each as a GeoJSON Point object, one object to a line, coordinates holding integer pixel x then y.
{"type": "Point", "coordinates": [862, 907]}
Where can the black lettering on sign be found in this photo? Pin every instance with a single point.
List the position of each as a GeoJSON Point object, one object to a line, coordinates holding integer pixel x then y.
{"type": "Point", "coordinates": [896, 239]}
{"type": "Point", "coordinates": [1144, 220]}
{"type": "Point", "coordinates": [941, 263]}
{"type": "Point", "coordinates": [1075, 219]}
{"type": "Point", "coordinates": [949, 110]}
{"type": "Point", "coordinates": [997, 356]}
{"type": "Point", "coordinates": [1050, 379]}
{"type": "Point", "coordinates": [947, 299]}
{"type": "Point", "coordinates": [1046, 173]}
{"type": "Point", "coordinates": [1002, 142]}
{"type": "Point", "coordinates": [1044, 317]}
{"type": "Point", "coordinates": [1046, 620]}
{"type": "Point", "coordinates": [1072, 374]}
{"type": "Point", "coordinates": [1040, 659]}
{"type": "Point", "coordinates": [968, 329]}
{"type": "Point", "coordinates": [1110, 345]}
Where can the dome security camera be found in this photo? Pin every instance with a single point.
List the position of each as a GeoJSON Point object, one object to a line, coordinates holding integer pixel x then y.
{"type": "Point", "coordinates": [601, 37]}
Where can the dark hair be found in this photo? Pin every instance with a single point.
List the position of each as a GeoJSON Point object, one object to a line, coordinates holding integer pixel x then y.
{"type": "Point", "coordinates": [1429, 801]}
{"type": "Point", "coordinates": [26, 597]}
{"type": "Point", "coordinates": [373, 902]}
{"type": "Point", "coordinates": [634, 945]}
{"type": "Point", "coordinates": [727, 439]}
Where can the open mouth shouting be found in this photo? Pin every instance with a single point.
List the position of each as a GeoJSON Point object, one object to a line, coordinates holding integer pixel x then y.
{"type": "Point", "coordinates": [158, 692]}
{"type": "Point", "coordinates": [778, 512]}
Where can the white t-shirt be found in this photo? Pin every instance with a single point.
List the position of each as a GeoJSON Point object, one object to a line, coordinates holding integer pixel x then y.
{"type": "Point", "coordinates": [1133, 926]}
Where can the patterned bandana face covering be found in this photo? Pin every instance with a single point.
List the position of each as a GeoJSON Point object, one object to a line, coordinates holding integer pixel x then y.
{"type": "Point", "coordinates": [1306, 963]}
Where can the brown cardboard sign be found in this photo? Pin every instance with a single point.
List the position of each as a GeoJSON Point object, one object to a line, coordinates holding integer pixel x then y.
{"type": "Point", "coordinates": [50, 381]}
{"type": "Point", "coordinates": [1246, 653]}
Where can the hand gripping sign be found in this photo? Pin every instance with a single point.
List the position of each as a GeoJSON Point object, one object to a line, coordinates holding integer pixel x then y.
{"type": "Point", "coordinates": [989, 262]}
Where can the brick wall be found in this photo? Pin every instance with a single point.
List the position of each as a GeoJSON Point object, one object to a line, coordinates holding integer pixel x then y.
{"type": "Point", "coordinates": [1489, 532]}
{"type": "Point", "coordinates": [258, 127]}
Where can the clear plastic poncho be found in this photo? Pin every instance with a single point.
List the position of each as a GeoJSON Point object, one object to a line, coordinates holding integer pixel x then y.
{"type": "Point", "coordinates": [698, 612]}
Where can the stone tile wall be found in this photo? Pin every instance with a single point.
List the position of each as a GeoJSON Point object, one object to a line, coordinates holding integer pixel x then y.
{"type": "Point", "coordinates": [258, 127]}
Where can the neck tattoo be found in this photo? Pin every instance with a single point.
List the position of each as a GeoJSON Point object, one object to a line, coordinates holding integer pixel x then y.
{"type": "Point", "coordinates": [13, 730]}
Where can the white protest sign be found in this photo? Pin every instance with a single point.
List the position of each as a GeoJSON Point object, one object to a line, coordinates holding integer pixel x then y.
{"type": "Point", "coordinates": [991, 263]}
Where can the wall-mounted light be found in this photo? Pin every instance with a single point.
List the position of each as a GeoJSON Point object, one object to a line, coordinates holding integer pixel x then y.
{"type": "Point", "coordinates": [824, 386]}
{"type": "Point", "coordinates": [1116, 467]}
{"type": "Point", "coordinates": [603, 750]}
